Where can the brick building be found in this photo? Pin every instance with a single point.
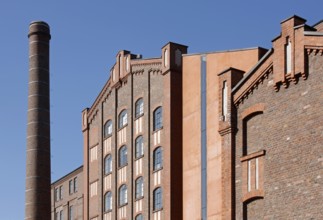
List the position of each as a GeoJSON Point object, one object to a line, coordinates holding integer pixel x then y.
{"type": "Point", "coordinates": [67, 196]}
{"type": "Point", "coordinates": [132, 137]}
{"type": "Point", "coordinates": [220, 135]}
{"type": "Point", "coordinates": [255, 150]}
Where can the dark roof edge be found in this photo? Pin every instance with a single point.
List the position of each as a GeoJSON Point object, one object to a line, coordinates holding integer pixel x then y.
{"type": "Point", "coordinates": [317, 23]}
{"type": "Point", "coordinates": [228, 69]}
{"type": "Point", "coordinates": [223, 51]}
{"type": "Point", "coordinates": [296, 16]}
{"type": "Point", "coordinates": [244, 79]}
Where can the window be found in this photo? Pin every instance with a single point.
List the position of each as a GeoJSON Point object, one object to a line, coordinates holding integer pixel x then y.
{"type": "Point", "coordinates": [71, 213]}
{"type": "Point", "coordinates": [57, 216]}
{"type": "Point", "coordinates": [108, 164]}
{"type": "Point", "coordinates": [123, 156]}
{"type": "Point", "coordinates": [61, 217]}
{"type": "Point", "coordinates": [123, 195]}
{"type": "Point", "coordinates": [139, 146]}
{"type": "Point", "coordinates": [107, 129]}
{"type": "Point", "coordinates": [75, 184]}
{"type": "Point", "coordinates": [71, 186]}
{"type": "Point", "coordinates": [158, 118]}
{"type": "Point", "coordinates": [139, 217]}
{"type": "Point", "coordinates": [57, 194]}
{"type": "Point", "coordinates": [158, 199]}
{"type": "Point", "coordinates": [60, 192]}
{"type": "Point", "coordinates": [123, 118]}
{"type": "Point", "coordinates": [139, 187]}
{"type": "Point", "coordinates": [158, 158]}
{"type": "Point", "coordinates": [108, 201]}
{"type": "Point", "coordinates": [139, 108]}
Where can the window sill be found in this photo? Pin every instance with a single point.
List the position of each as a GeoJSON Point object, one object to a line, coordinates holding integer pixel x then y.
{"type": "Point", "coordinates": [123, 205]}
{"type": "Point", "coordinates": [119, 129]}
{"type": "Point", "coordinates": [139, 198]}
{"type": "Point", "coordinates": [122, 166]}
{"type": "Point", "coordinates": [156, 170]}
{"type": "Point", "coordinates": [107, 174]}
{"type": "Point", "coordinates": [110, 210]}
{"type": "Point", "coordinates": [137, 158]}
{"type": "Point", "coordinates": [138, 116]}
{"type": "Point", "coordinates": [108, 136]}
{"type": "Point", "coordinates": [158, 129]}
{"type": "Point", "coordinates": [158, 210]}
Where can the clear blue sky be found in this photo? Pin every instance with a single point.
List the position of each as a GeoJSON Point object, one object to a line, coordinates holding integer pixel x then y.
{"type": "Point", "coordinates": [86, 36]}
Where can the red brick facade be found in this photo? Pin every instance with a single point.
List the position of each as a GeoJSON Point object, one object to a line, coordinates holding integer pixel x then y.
{"type": "Point", "coordinates": [268, 117]}
{"type": "Point", "coordinates": [241, 136]}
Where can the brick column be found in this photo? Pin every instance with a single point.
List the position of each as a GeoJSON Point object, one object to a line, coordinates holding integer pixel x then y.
{"type": "Point", "coordinates": [38, 198]}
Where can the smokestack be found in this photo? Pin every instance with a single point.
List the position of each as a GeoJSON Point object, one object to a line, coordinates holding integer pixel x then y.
{"type": "Point", "coordinates": [38, 202]}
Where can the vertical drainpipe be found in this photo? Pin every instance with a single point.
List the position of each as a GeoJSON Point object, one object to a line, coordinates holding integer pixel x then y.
{"type": "Point", "coordinates": [38, 180]}
{"type": "Point", "coordinates": [203, 139]}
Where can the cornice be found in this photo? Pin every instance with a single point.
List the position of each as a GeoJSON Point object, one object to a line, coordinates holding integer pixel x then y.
{"type": "Point", "coordinates": [102, 95]}
{"type": "Point", "coordinates": [254, 85]}
{"type": "Point", "coordinates": [316, 50]}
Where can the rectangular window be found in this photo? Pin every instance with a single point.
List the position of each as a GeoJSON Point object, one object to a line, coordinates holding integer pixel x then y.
{"type": "Point", "coordinates": [57, 194]}
{"type": "Point", "coordinates": [71, 213]}
{"type": "Point", "coordinates": [61, 216]}
{"type": "Point", "coordinates": [60, 192]}
{"type": "Point", "coordinates": [57, 216]}
{"type": "Point", "coordinates": [75, 184]}
{"type": "Point", "coordinates": [252, 174]}
{"type": "Point", "coordinates": [71, 190]}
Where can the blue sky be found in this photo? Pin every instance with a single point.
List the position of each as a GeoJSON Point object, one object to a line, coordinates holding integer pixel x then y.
{"type": "Point", "coordinates": [86, 36]}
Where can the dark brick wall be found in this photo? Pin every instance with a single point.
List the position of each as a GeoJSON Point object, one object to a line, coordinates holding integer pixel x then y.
{"type": "Point", "coordinates": [290, 130]}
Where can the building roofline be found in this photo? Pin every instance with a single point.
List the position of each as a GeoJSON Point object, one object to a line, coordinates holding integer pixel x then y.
{"type": "Point", "coordinates": [63, 177]}
{"type": "Point", "coordinates": [228, 69]}
{"type": "Point", "coordinates": [293, 16]}
{"type": "Point", "coordinates": [317, 23]}
{"type": "Point", "coordinates": [223, 51]}
{"type": "Point", "coordinates": [248, 74]}
{"type": "Point", "coordinates": [170, 42]}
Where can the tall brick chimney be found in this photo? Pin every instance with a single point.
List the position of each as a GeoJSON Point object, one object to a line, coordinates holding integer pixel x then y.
{"type": "Point", "coordinates": [37, 201]}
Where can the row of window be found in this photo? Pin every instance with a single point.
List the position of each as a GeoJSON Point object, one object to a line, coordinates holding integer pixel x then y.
{"type": "Point", "coordinates": [60, 216]}
{"type": "Point", "coordinates": [123, 196]}
{"type": "Point", "coordinates": [73, 185]}
{"type": "Point", "coordinates": [123, 118]}
{"type": "Point", "coordinates": [58, 193]}
{"type": "Point", "coordinates": [123, 158]}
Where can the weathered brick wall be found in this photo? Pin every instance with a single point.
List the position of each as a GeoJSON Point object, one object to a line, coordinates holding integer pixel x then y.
{"type": "Point", "coordinates": [290, 130]}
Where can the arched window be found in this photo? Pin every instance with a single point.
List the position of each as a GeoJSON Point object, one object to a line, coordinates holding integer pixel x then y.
{"type": "Point", "coordinates": [123, 195]}
{"type": "Point", "coordinates": [108, 164]}
{"type": "Point", "coordinates": [139, 217]}
{"type": "Point", "coordinates": [158, 118]}
{"type": "Point", "coordinates": [123, 156]}
{"type": "Point", "coordinates": [108, 201]}
{"type": "Point", "coordinates": [139, 108]}
{"type": "Point", "coordinates": [139, 146]}
{"type": "Point", "coordinates": [158, 158]}
{"type": "Point", "coordinates": [139, 187]}
{"type": "Point", "coordinates": [107, 129]}
{"type": "Point", "coordinates": [123, 118]}
{"type": "Point", "coordinates": [158, 199]}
